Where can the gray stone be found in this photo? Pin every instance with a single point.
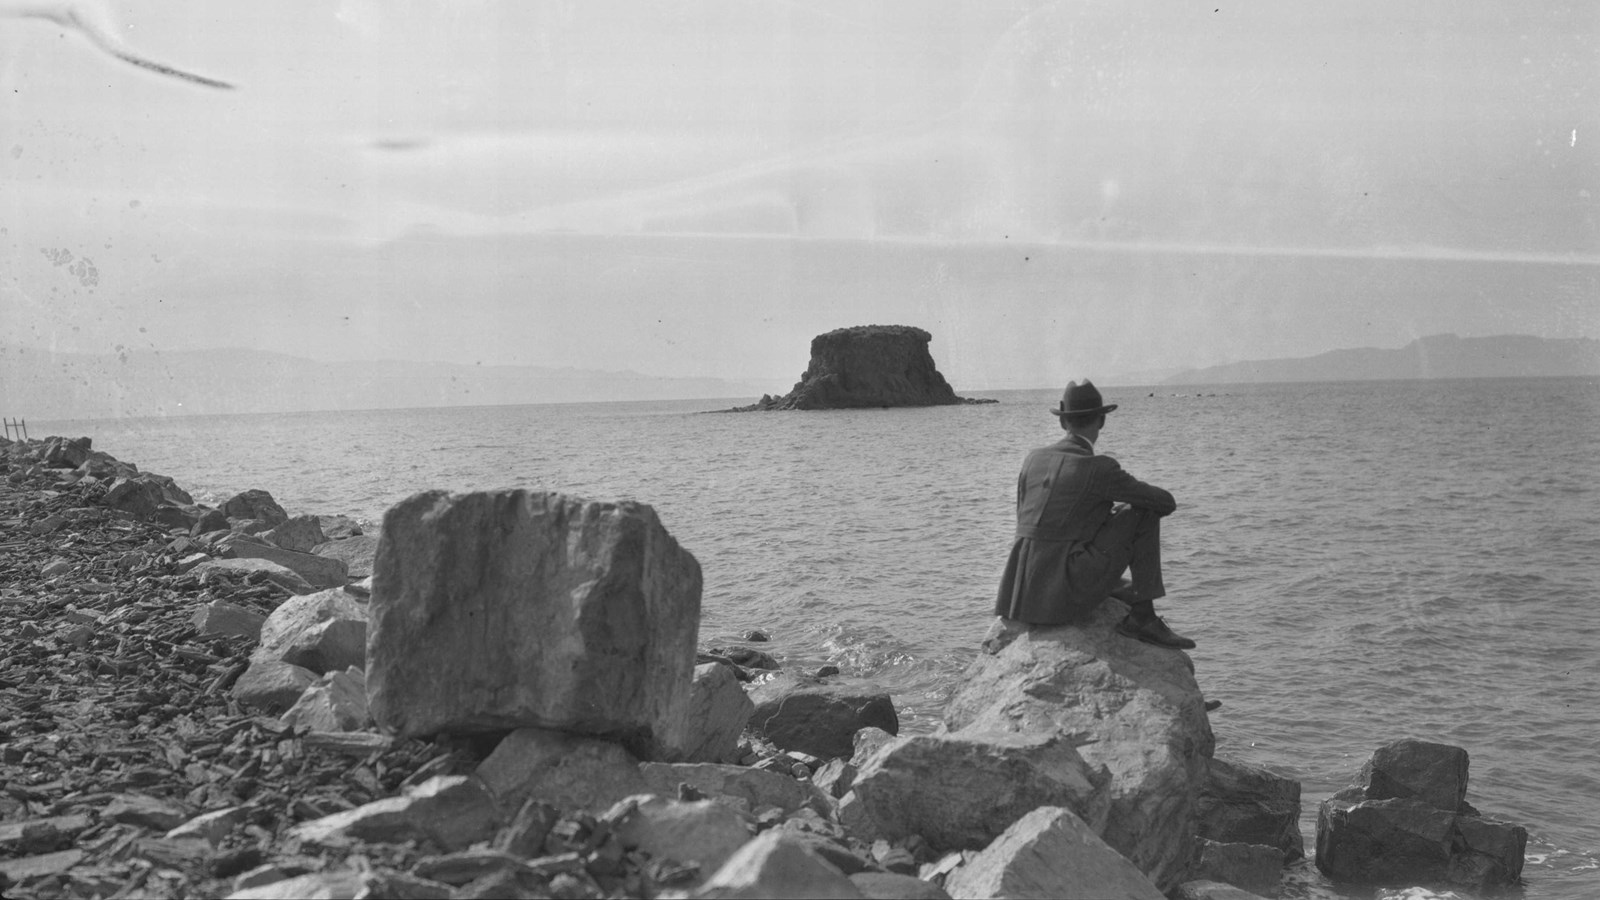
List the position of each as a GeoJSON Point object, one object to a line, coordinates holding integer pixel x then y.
{"type": "Point", "coordinates": [452, 811]}
{"type": "Point", "coordinates": [718, 711]}
{"type": "Point", "coordinates": [222, 617]}
{"type": "Point", "coordinates": [1253, 867]}
{"type": "Point", "coordinates": [300, 534]}
{"type": "Point", "coordinates": [775, 865]}
{"type": "Point", "coordinates": [1487, 852]}
{"type": "Point", "coordinates": [513, 608]}
{"type": "Point", "coordinates": [798, 712]}
{"type": "Point", "coordinates": [1051, 853]}
{"type": "Point", "coordinates": [322, 571]}
{"type": "Point", "coordinates": [330, 884]}
{"type": "Point", "coordinates": [700, 831]}
{"type": "Point", "coordinates": [279, 575]}
{"type": "Point", "coordinates": [337, 528]}
{"type": "Point", "coordinates": [1134, 710]}
{"type": "Point", "coordinates": [272, 685]}
{"type": "Point", "coordinates": [564, 770]}
{"type": "Point", "coordinates": [894, 886]}
{"type": "Point", "coordinates": [1383, 841]}
{"type": "Point", "coordinates": [357, 553]}
{"type": "Point", "coordinates": [212, 826]}
{"type": "Point", "coordinates": [1201, 889]}
{"type": "Point", "coordinates": [137, 495]}
{"type": "Point", "coordinates": [254, 504]}
{"type": "Point", "coordinates": [1249, 805]}
{"type": "Point", "coordinates": [325, 631]}
{"type": "Point", "coordinates": [144, 810]}
{"type": "Point", "coordinates": [960, 791]}
{"type": "Point", "coordinates": [754, 789]}
{"type": "Point", "coordinates": [337, 702]}
{"type": "Point", "coordinates": [1435, 774]}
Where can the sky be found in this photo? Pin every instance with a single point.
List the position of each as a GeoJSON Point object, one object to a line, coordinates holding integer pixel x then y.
{"type": "Point", "coordinates": [1053, 189]}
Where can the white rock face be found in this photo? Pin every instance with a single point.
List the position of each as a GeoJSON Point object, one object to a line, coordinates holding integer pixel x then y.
{"type": "Point", "coordinates": [1050, 853]}
{"type": "Point", "coordinates": [1134, 710]}
{"type": "Point", "coordinates": [512, 609]}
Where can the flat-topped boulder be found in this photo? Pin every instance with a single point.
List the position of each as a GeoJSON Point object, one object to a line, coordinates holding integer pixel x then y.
{"type": "Point", "coordinates": [867, 366]}
{"type": "Point", "coordinates": [1134, 712]}
{"type": "Point", "coordinates": [501, 610]}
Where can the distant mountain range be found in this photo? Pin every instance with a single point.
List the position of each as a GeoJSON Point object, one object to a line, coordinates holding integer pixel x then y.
{"type": "Point", "coordinates": [41, 385]}
{"type": "Point", "coordinates": [1438, 356]}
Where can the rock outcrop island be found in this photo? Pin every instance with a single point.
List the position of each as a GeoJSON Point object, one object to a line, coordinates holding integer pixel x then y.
{"type": "Point", "coordinates": [866, 366]}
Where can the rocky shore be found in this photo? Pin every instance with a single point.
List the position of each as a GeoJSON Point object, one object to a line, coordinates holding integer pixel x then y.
{"type": "Point", "coordinates": [502, 695]}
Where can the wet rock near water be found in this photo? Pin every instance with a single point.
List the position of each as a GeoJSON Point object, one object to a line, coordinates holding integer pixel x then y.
{"type": "Point", "coordinates": [1406, 821]}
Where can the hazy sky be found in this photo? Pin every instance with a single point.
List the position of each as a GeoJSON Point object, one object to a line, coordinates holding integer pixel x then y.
{"type": "Point", "coordinates": [696, 188]}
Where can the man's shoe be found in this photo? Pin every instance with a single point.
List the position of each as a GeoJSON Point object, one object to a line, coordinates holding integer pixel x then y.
{"type": "Point", "coordinates": [1154, 632]}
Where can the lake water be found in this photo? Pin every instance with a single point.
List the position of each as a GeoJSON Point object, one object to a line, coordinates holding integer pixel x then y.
{"type": "Point", "coordinates": [1359, 562]}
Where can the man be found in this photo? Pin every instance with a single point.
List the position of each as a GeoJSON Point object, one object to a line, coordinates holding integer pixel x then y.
{"type": "Point", "coordinates": [1072, 546]}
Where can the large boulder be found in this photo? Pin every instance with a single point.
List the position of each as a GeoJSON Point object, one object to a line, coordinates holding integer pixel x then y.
{"type": "Point", "coordinates": [510, 609]}
{"type": "Point", "coordinates": [325, 631]}
{"type": "Point", "coordinates": [868, 366]}
{"type": "Point", "coordinates": [700, 831]}
{"type": "Point", "coordinates": [1246, 804]}
{"type": "Point", "coordinates": [279, 575]}
{"type": "Point", "coordinates": [1050, 853]}
{"type": "Point", "coordinates": [1133, 710]}
{"type": "Point", "coordinates": [321, 571]}
{"type": "Point", "coordinates": [960, 791]}
{"type": "Point", "coordinates": [776, 865]}
{"type": "Point", "coordinates": [559, 769]}
{"type": "Point", "coordinates": [254, 504]}
{"type": "Point", "coordinates": [300, 534]}
{"type": "Point", "coordinates": [1257, 868]}
{"type": "Point", "coordinates": [818, 717]}
{"type": "Point", "coordinates": [357, 552]}
{"type": "Point", "coordinates": [719, 710]}
{"type": "Point", "coordinates": [1406, 820]}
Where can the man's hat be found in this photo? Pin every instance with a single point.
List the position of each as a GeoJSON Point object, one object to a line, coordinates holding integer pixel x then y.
{"type": "Point", "coordinates": [1082, 400]}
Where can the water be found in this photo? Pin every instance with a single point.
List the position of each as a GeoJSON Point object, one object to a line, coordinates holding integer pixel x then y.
{"type": "Point", "coordinates": [1359, 562]}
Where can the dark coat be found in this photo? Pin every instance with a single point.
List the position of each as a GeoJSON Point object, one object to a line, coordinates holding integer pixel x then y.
{"type": "Point", "coordinates": [1064, 496]}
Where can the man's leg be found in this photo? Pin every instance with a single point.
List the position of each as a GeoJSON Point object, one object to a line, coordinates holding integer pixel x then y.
{"type": "Point", "coordinates": [1131, 540]}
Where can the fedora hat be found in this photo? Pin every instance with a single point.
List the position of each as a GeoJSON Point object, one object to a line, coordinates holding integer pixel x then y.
{"type": "Point", "coordinates": [1082, 400]}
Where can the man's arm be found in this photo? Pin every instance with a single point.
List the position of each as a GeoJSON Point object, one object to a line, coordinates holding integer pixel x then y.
{"type": "Point", "coordinates": [1121, 487]}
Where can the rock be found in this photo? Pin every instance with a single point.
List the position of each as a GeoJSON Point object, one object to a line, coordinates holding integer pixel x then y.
{"type": "Point", "coordinates": [145, 811]}
{"type": "Point", "coordinates": [357, 553]}
{"type": "Point", "coordinates": [255, 504]}
{"type": "Point", "coordinates": [797, 712]}
{"type": "Point", "coordinates": [1250, 805]}
{"type": "Point", "coordinates": [56, 566]}
{"type": "Point", "coordinates": [321, 571]}
{"type": "Point", "coordinates": [337, 702]}
{"type": "Point", "coordinates": [330, 884]}
{"type": "Point", "coordinates": [300, 534]}
{"type": "Point", "coordinates": [867, 742]}
{"type": "Point", "coordinates": [1406, 820]}
{"type": "Point", "coordinates": [222, 617]}
{"type": "Point", "coordinates": [272, 684]}
{"type": "Point", "coordinates": [43, 865]}
{"type": "Point", "coordinates": [279, 575]}
{"type": "Point", "coordinates": [867, 366]}
{"type": "Point", "coordinates": [1257, 868]}
{"type": "Point", "coordinates": [325, 631]}
{"type": "Point", "coordinates": [138, 496]}
{"type": "Point", "coordinates": [835, 777]}
{"type": "Point", "coordinates": [452, 811]}
{"type": "Point", "coordinates": [718, 711]}
{"type": "Point", "coordinates": [1213, 890]}
{"type": "Point", "coordinates": [212, 826]}
{"type": "Point", "coordinates": [210, 520]}
{"type": "Point", "coordinates": [699, 831]}
{"type": "Point", "coordinates": [775, 865]}
{"type": "Point", "coordinates": [170, 515]}
{"type": "Point", "coordinates": [754, 789]}
{"type": "Point", "coordinates": [1408, 769]}
{"type": "Point", "coordinates": [1133, 709]}
{"type": "Point", "coordinates": [894, 886]}
{"type": "Point", "coordinates": [337, 528]}
{"type": "Point", "coordinates": [960, 791]}
{"type": "Point", "coordinates": [65, 453]}
{"type": "Point", "coordinates": [506, 609]}
{"type": "Point", "coordinates": [1051, 853]}
{"type": "Point", "coordinates": [1383, 841]}
{"type": "Point", "coordinates": [563, 770]}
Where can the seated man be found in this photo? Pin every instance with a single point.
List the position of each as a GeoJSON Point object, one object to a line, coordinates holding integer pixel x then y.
{"type": "Point", "coordinates": [1072, 546]}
